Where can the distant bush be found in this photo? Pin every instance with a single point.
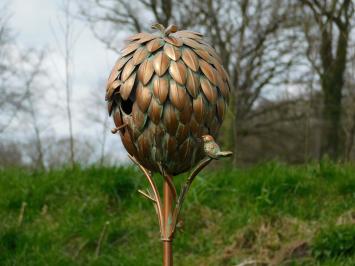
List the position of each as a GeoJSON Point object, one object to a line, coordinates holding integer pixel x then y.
{"type": "Point", "coordinates": [334, 242]}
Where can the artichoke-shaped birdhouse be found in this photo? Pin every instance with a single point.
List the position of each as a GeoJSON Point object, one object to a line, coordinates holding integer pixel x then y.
{"type": "Point", "coordinates": [166, 91]}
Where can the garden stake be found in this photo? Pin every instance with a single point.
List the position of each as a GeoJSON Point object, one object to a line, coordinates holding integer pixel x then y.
{"type": "Point", "coordinates": [168, 94]}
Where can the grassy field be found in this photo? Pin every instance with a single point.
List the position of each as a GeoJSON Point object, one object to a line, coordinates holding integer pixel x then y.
{"type": "Point", "coordinates": [271, 213]}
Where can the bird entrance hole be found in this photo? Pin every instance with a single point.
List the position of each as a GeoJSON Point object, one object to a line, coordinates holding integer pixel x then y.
{"type": "Point", "coordinates": [126, 106]}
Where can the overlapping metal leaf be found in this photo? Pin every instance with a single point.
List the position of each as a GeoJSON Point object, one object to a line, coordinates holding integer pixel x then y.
{"type": "Point", "coordinates": [169, 90]}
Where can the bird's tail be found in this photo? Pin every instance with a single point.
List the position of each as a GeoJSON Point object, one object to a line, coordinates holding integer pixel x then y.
{"type": "Point", "coordinates": [224, 153]}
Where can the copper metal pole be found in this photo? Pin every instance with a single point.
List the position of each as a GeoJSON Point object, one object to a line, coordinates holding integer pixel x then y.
{"type": "Point", "coordinates": [167, 223]}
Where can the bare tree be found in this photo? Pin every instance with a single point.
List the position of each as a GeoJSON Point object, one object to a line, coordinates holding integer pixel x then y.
{"type": "Point", "coordinates": [66, 40]}
{"type": "Point", "coordinates": [250, 36]}
{"type": "Point", "coordinates": [98, 115]}
{"type": "Point", "coordinates": [327, 27]}
{"type": "Point", "coordinates": [10, 93]}
{"type": "Point", "coordinates": [34, 95]}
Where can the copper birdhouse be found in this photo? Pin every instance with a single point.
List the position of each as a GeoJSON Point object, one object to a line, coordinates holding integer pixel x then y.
{"type": "Point", "coordinates": [165, 91]}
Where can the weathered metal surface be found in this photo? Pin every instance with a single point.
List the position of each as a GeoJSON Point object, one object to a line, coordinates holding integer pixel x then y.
{"type": "Point", "coordinates": [165, 91]}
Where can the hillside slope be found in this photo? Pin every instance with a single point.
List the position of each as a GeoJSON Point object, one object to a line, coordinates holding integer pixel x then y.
{"type": "Point", "coordinates": [272, 213]}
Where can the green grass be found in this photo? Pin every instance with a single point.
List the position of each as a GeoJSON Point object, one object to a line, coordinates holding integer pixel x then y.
{"type": "Point", "coordinates": [285, 215]}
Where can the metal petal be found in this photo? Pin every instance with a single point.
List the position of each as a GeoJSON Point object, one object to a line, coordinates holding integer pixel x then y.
{"type": "Point", "coordinates": [173, 52]}
{"type": "Point", "coordinates": [112, 88]}
{"type": "Point", "coordinates": [177, 95]}
{"type": "Point", "coordinates": [139, 55]}
{"type": "Point", "coordinates": [161, 89]}
{"type": "Point", "coordinates": [127, 71]}
{"type": "Point", "coordinates": [214, 126]}
{"type": "Point", "coordinates": [199, 108]}
{"type": "Point", "coordinates": [145, 71]}
{"type": "Point", "coordinates": [155, 111]}
{"type": "Point", "coordinates": [117, 119]}
{"type": "Point", "coordinates": [192, 83]}
{"type": "Point", "coordinates": [144, 97]}
{"type": "Point", "coordinates": [160, 63]}
{"type": "Point", "coordinates": [147, 38]}
{"type": "Point", "coordinates": [190, 31]}
{"type": "Point", "coordinates": [221, 108]}
{"type": "Point", "coordinates": [170, 145]}
{"type": "Point", "coordinates": [218, 67]}
{"type": "Point", "coordinates": [222, 86]}
{"type": "Point", "coordinates": [208, 90]}
{"type": "Point", "coordinates": [192, 43]}
{"type": "Point", "coordinates": [186, 113]}
{"type": "Point", "coordinates": [136, 36]}
{"type": "Point", "coordinates": [187, 34]}
{"type": "Point", "coordinates": [144, 146]}
{"type": "Point", "coordinates": [185, 149]}
{"type": "Point", "coordinates": [195, 128]}
{"type": "Point", "coordinates": [209, 71]}
{"type": "Point", "coordinates": [130, 48]}
{"type": "Point", "coordinates": [182, 132]}
{"type": "Point", "coordinates": [128, 143]}
{"type": "Point", "coordinates": [138, 117]}
{"type": "Point", "coordinates": [190, 59]}
{"type": "Point", "coordinates": [127, 87]}
{"type": "Point", "coordinates": [113, 75]}
{"type": "Point", "coordinates": [154, 45]}
{"type": "Point", "coordinates": [212, 52]}
{"type": "Point", "coordinates": [178, 71]}
{"type": "Point", "coordinates": [203, 54]}
{"type": "Point", "coordinates": [173, 40]}
{"type": "Point", "coordinates": [170, 119]}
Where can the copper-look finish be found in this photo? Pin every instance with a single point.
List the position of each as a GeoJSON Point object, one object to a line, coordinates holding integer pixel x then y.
{"type": "Point", "coordinates": [127, 87]}
{"type": "Point", "coordinates": [209, 71]}
{"type": "Point", "coordinates": [174, 41]}
{"type": "Point", "coordinates": [155, 111]}
{"type": "Point", "coordinates": [161, 89]}
{"type": "Point", "coordinates": [161, 63]}
{"type": "Point", "coordinates": [208, 90]}
{"type": "Point", "coordinates": [145, 71]}
{"type": "Point", "coordinates": [182, 132]}
{"type": "Point", "coordinates": [146, 38]}
{"type": "Point", "coordinates": [188, 34]}
{"type": "Point", "coordinates": [166, 92]}
{"type": "Point", "coordinates": [121, 62]}
{"type": "Point", "coordinates": [192, 83]}
{"type": "Point", "coordinates": [136, 36]}
{"type": "Point", "coordinates": [144, 95]}
{"type": "Point", "coordinates": [129, 49]}
{"type": "Point", "coordinates": [138, 117]}
{"type": "Point", "coordinates": [127, 70]}
{"type": "Point", "coordinates": [154, 45]}
{"type": "Point", "coordinates": [174, 81]}
{"type": "Point", "coordinates": [117, 119]}
{"type": "Point", "coordinates": [199, 109]}
{"type": "Point", "coordinates": [173, 52]}
{"type": "Point", "coordinates": [190, 59]}
{"type": "Point", "coordinates": [112, 87]}
{"type": "Point", "coordinates": [221, 108]}
{"type": "Point", "coordinates": [139, 55]}
{"type": "Point", "coordinates": [170, 119]}
{"type": "Point", "coordinates": [203, 54]}
{"type": "Point", "coordinates": [177, 71]}
{"type": "Point", "coordinates": [177, 95]}
{"type": "Point", "coordinates": [185, 114]}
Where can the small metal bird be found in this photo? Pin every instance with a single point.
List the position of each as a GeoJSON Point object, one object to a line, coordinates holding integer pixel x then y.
{"type": "Point", "coordinates": [212, 149]}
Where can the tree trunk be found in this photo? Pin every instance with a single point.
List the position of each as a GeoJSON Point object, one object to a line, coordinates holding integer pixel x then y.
{"type": "Point", "coordinates": [332, 82]}
{"type": "Point", "coordinates": [331, 135]}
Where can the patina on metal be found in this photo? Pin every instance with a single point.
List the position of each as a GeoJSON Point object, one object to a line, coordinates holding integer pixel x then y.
{"type": "Point", "coordinates": [168, 94]}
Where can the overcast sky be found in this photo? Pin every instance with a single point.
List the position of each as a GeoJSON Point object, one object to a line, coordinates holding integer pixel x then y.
{"type": "Point", "coordinates": [36, 23]}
